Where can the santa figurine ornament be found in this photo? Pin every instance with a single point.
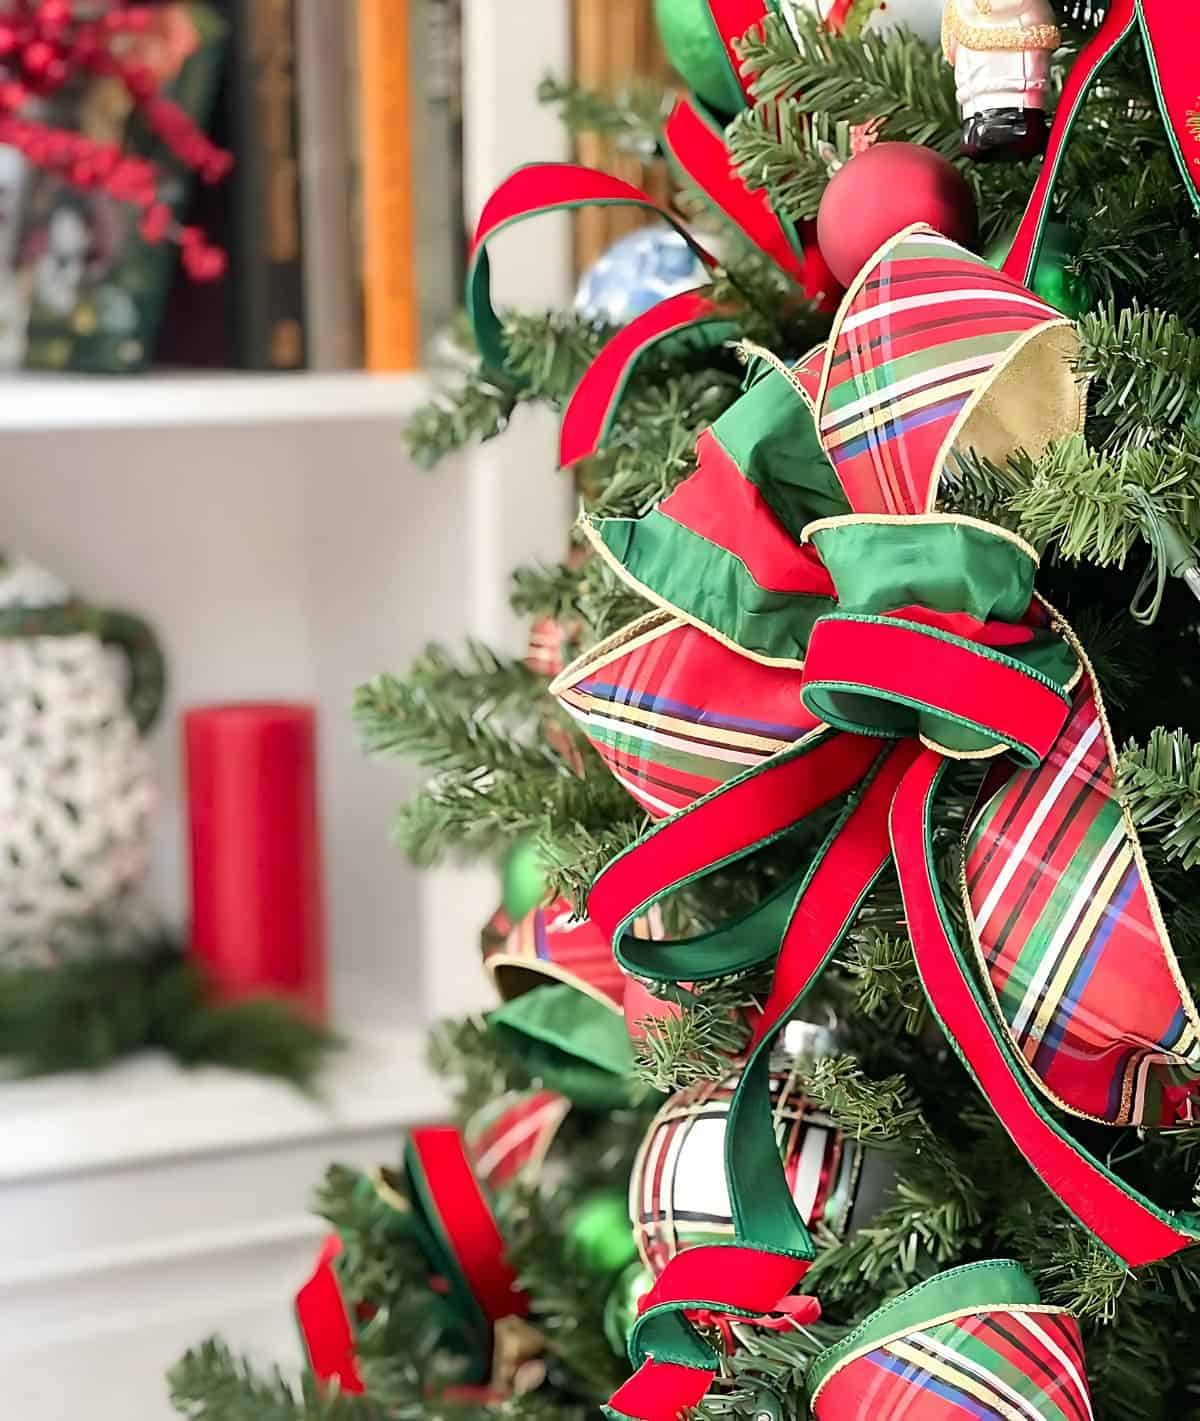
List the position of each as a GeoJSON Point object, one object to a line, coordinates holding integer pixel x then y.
{"type": "Point", "coordinates": [1001, 51]}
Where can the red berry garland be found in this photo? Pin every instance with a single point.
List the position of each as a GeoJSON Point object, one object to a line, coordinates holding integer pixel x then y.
{"type": "Point", "coordinates": [43, 43]}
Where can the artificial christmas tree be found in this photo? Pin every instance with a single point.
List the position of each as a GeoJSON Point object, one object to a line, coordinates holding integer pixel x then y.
{"type": "Point", "coordinates": [862, 626]}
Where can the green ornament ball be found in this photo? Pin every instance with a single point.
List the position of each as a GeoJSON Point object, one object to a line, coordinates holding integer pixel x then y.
{"type": "Point", "coordinates": [600, 1236]}
{"type": "Point", "coordinates": [1051, 281]}
{"type": "Point", "coordinates": [621, 1305]}
{"type": "Point", "coordinates": [522, 879]}
{"type": "Point", "coordinates": [695, 50]}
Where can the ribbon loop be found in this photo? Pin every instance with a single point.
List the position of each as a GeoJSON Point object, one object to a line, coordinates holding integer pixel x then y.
{"type": "Point", "coordinates": [974, 1341]}
{"type": "Point", "coordinates": [893, 678]}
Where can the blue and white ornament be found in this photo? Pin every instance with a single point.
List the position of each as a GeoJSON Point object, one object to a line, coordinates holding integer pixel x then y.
{"type": "Point", "coordinates": [637, 272]}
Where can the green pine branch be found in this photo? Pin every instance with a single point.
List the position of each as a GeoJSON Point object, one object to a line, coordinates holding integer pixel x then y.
{"type": "Point", "coordinates": [775, 148]}
{"type": "Point", "coordinates": [573, 853]}
{"type": "Point", "coordinates": [87, 1014]}
{"type": "Point", "coordinates": [547, 352]}
{"type": "Point", "coordinates": [1160, 784]}
{"type": "Point", "coordinates": [1145, 365]}
{"type": "Point", "coordinates": [472, 412]}
{"type": "Point", "coordinates": [380, 1261]}
{"type": "Point", "coordinates": [700, 1043]}
{"type": "Point", "coordinates": [1097, 508]}
{"type": "Point", "coordinates": [419, 721]}
{"type": "Point", "coordinates": [897, 81]}
{"type": "Point", "coordinates": [567, 1297]}
{"type": "Point", "coordinates": [210, 1383]}
{"type": "Point", "coordinates": [546, 590]}
{"type": "Point", "coordinates": [474, 1062]}
{"type": "Point", "coordinates": [883, 975]}
{"type": "Point", "coordinates": [632, 116]}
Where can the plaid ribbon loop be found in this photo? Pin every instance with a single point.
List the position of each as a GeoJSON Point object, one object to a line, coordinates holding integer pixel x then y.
{"type": "Point", "coordinates": [973, 1342]}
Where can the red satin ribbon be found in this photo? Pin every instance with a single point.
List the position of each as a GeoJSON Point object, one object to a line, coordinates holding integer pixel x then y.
{"type": "Point", "coordinates": [590, 411]}
{"type": "Point", "coordinates": [467, 1221]}
{"type": "Point", "coordinates": [1172, 34]}
{"type": "Point", "coordinates": [325, 1323]}
{"type": "Point", "coordinates": [732, 19]}
{"type": "Point", "coordinates": [698, 146]}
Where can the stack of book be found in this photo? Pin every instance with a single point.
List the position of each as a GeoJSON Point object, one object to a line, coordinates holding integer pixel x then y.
{"type": "Point", "coordinates": [342, 220]}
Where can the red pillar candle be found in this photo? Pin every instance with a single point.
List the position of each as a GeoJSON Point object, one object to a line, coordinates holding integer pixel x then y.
{"type": "Point", "coordinates": [258, 920]}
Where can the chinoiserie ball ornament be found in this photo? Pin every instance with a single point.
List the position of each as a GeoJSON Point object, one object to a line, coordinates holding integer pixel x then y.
{"type": "Point", "coordinates": [637, 272]}
{"type": "Point", "coordinates": [1052, 280]}
{"type": "Point", "coordinates": [881, 191]}
{"type": "Point", "coordinates": [76, 793]}
{"type": "Point", "coordinates": [599, 1235]}
{"type": "Point", "coordinates": [678, 1196]}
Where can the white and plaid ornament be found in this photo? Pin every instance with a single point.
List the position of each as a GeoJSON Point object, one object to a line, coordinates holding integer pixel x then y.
{"type": "Point", "coordinates": [678, 1197]}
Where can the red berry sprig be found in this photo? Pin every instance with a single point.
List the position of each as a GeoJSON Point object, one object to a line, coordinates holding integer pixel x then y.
{"type": "Point", "coordinates": [43, 44]}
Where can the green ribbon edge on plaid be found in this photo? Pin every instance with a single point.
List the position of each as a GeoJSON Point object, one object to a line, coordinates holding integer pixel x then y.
{"type": "Point", "coordinates": [975, 1287]}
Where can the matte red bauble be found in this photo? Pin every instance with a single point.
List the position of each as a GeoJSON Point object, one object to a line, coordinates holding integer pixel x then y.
{"type": "Point", "coordinates": [882, 191]}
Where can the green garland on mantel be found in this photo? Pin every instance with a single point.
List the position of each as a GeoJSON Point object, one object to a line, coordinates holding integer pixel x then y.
{"type": "Point", "coordinates": [86, 1015]}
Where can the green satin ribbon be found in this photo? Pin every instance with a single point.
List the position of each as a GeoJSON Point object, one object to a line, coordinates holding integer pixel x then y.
{"type": "Point", "coordinates": [570, 1043]}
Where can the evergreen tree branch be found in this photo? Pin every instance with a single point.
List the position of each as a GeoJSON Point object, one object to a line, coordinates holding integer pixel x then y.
{"type": "Point", "coordinates": [546, 590]}
{"type": "Point", "coordinates": [896, 81]}
{"type": "Point", "coordinates": [632, 116]}
{"type": "Point", "coordinates": [1160, 784]}
{"type": "Point", "coordinates": [474, 1062]}
{"type": "Point", "coordinates": [484, 810]}
{"type": "Point", "coordinates": [444, 732]}
{"type": "Point", "coordinates": [774, 147]}
{"type": "Point", "coordinates": [883, 975]}
{"type": "Point", "coordinates": [700, 1043]}
{"type": "Point", "coordinates": [472, 412]}
{"type": "Point", "coordinates": [1145, 365]}
{"type": "Point", "coordinates": [1092, 506]}
{"type": "Point", "coordinates": [211, 1384]}
{"type": "Point", "coordinates": [122, 998]}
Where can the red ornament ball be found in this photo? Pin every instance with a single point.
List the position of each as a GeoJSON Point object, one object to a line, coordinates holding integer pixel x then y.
{"type": "Point", "coordinates": [882, 191]}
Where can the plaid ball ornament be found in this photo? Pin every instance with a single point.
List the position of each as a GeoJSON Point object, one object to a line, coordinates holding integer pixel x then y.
{"type": "Point", "coordinates": [678, 1196]}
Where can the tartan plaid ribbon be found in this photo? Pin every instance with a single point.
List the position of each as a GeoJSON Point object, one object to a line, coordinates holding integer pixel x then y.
{"type": "Point", "coordinates": [969, 1343]}
{"type": "Point", "coordinates": [913, 639]}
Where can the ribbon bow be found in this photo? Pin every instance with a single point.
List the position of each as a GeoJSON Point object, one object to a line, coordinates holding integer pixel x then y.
{"type": "Point", "coordinates": [822, 635]}
{"type": "Point", "coordinates": [804, 556]}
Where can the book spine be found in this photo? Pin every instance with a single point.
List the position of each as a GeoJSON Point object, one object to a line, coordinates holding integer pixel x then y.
{"type": "Point", "coordinates": [439, 219]}
{"type": "Point", "coordinates": [391, 289]}
{"type": "Point", "coordinates": [332, 293]}
{"type": "Point", "coordinates": [268, 275]}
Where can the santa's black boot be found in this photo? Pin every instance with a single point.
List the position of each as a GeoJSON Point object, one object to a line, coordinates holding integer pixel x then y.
{"type": "Point", "coordinates": [1005, 135]}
